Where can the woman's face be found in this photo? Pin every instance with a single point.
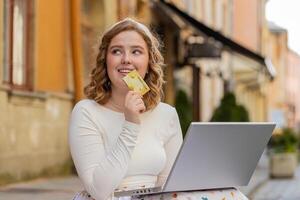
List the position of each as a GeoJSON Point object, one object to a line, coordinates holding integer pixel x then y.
{"type": "Point", "coordinates": [127, 51]}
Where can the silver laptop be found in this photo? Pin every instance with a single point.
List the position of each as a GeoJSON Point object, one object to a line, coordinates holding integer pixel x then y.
{"type": "Point", "coordinates": [214, 155]}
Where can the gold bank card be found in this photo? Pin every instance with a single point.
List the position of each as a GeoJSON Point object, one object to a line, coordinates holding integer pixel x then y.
{"type": "Point", "coordinates": [136, 83]}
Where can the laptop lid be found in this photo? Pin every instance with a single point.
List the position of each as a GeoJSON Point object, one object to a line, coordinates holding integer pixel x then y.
{"type": "Point", "coordinates": [218, 155]}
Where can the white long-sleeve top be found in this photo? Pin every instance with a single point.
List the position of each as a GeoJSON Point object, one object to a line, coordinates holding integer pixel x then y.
{"type": "Point", "coordinates": [111, 153]}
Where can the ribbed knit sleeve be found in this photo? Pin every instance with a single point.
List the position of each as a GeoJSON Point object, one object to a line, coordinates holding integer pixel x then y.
{"type": "Point", "coordinates": [100, 171]}
{"type": "Point", "coordinates": [173, 140]}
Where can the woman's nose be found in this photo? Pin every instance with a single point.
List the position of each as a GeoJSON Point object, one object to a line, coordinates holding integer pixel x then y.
{"type": "Point", "coordinates": [126, 59]}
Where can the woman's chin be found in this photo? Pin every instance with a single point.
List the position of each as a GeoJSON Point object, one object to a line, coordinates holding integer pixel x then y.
{"type": "Point", "coordinates": [122, 87]}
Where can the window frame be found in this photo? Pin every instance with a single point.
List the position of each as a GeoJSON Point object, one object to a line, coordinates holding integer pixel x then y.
{"type": "Point", "coordinates": [26, 54]}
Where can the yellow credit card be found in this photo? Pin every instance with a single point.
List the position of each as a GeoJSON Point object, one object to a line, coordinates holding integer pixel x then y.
{"type": "Point", "coordinates": [136, 83]}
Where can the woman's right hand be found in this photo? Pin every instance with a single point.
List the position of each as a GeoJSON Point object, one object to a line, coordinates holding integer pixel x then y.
{"type": "Point", "coordinates": [134, 105]}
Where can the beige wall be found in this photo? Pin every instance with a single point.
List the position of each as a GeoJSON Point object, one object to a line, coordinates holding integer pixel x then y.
{"type": "Point", "coordinates": [111, 12]}
{"type": "Point", "coordinates": [278, 53]}
{"type": "Point", "coordinates": [293, 88]}
{"type": "Point", "coordinates": [33, 135]}
{"type": "Point", "coordinates": [215, 13]}
{"type": "Point", "coordinates": [247, 29]}
{"type": "Point", "coordinates": [254, 101]}
{"type": "Point", "coordinates": [246, 26]}
{"type": "Point", "coordinates": [275, 47]}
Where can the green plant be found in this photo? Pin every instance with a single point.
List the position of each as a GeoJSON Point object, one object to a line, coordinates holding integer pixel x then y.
{"type": "Point", "coordinates": [184, 109]}
{"type": "Point", "coordinates": [285, 141]}
{"type": "Point", "coordinates": [230, 111]}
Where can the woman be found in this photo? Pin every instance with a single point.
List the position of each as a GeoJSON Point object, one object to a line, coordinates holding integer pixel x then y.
{"type": "Point", "coordinates": [118, 138]}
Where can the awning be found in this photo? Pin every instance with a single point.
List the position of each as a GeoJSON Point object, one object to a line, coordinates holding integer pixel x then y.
{"type": "Point", "coordinates": [227, 44]}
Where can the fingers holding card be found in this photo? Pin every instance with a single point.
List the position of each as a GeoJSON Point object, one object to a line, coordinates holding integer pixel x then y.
{"type": "Point", "coordinates": [136, 83]}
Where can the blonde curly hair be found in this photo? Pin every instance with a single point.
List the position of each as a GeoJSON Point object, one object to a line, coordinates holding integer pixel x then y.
{"type": "Point", "coordinates": [99, 88]}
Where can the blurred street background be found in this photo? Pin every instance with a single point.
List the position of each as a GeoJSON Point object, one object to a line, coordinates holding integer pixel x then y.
{"type": "Point", "coordinates": [226, 60]}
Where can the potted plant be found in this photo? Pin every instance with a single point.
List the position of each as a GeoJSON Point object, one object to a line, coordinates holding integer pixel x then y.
{"type": "Point", "coordinates": [283, 153]}
{"type": "Point", "coordinates": [229, 110]}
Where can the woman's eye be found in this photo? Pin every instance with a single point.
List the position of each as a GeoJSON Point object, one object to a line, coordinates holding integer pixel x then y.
{"type": "Point", "coordinates": [137, 52]}
{"type": "Point", "coordinates": [116, 51]}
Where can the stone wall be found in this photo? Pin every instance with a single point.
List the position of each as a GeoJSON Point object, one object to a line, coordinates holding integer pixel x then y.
{"type": "Point", "coordinates": [33, 135]}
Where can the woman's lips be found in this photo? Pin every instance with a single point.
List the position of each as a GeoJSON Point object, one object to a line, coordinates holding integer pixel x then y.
{"type": "Point", "coordinates": [125, 71]}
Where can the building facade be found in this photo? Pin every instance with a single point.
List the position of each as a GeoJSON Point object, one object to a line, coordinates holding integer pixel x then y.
{"type": "Point", "coordinates": [275, 45]}
{"type": "Point", "coordinates": [293, 90]}
{"type": "Point", "coordinates": [48, 50]}
{"type": "Point", "coordinates": [36, 89]}
{"type": "Point", "coordinates": [232, 71]}
{"type": "Point", "coordinates": [250, 84]}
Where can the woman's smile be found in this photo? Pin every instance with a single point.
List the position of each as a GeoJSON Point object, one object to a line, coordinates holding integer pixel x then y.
{"type": "Point", "coordinates": [125, 70]}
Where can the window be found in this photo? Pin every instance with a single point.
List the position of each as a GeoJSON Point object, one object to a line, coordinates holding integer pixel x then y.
{"type": "Point", "coordinates": [16, 43]}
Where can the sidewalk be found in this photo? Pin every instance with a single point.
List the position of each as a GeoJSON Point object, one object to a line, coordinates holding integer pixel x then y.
{"type": "Point", "coordinates": [278, 189]}
{"type": "Point", "coordinates": [259, 177]}
{"type": "Point", "coordinates": [261, 187]}
{"type": "Point", "coordinates": [63, 188]}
